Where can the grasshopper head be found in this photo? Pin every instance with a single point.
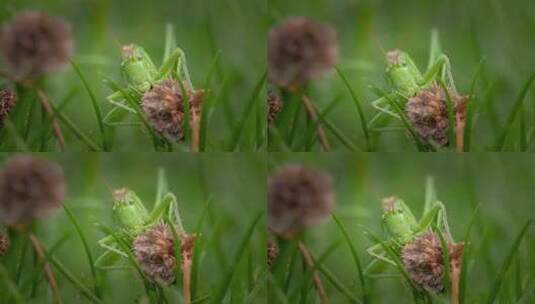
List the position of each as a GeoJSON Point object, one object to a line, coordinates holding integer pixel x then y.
{"type": "Point", "coordinates": [402, 72]}
{"type": "Point", "coordinates": [128, 210]}
{"type": "Point", "coordinates": [396, 220]}
{"type": "Point", "coordinates": [137, 67]}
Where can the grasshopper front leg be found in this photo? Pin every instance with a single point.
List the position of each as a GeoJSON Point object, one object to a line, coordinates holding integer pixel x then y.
{"type": "Point", "coordinates": [118, 99]}
{"type": "Point", "coordinates": [109, 244]}
{"type": "Point", "coordinates": [377, 252]}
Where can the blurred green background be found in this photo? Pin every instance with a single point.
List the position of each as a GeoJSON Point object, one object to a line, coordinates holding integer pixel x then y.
{"type": "Point", "coordinates": [235, 29]}
{"type": "Point", "coordinates": [502, 185]}
{"type": "Point", "coordinates": [499, 31]}
{"type": "Point", "coordinates": [223, 191]}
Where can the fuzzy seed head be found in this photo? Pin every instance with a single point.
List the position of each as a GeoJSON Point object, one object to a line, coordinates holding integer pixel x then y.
{"type": "Point", "coordinates": [7, 102]}
{"type": "Point", "coordinates": [275, 105]}
{"type": "Point", "coordinates": [272, 252]}
{"type": "Point", "coordinates": [298, 197]}
{"type": "Point", "coordinates": [428, 114]}
{"type": "Point", "coordinates": [423, 260]}
{"type": "Point", "coordinates": [154, 250]}
{"type": "Point", "coordinates": [163, 105]}
{"type": "Point", "coordinates": [300, 50]}
{"type": "Point", "coordinates": [4, 243]}
{"type": "Point", "coordinates": [34, 43]}
{"type": "Point", "coordinates": [30, 188]}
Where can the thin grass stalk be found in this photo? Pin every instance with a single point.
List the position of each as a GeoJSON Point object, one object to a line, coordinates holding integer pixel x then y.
{"type": "Point", "coordinates": [311, 111]}
{"type": "Point", "coordinates": [46, 268]}
{"type": "Point", "coordinates": [317, 280]}
{"type": "Point", "coordinates": [45, 103]}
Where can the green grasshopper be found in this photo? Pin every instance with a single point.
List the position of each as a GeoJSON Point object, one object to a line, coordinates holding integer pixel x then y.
{"type": "Point", "coordinates": [406, 80]}
{"type": "Point", "coordinates": [140, 73]}
{"type": "Point", "coordinates": [401, 225]}
{"type": "Point", "coordinates": [132, 218]}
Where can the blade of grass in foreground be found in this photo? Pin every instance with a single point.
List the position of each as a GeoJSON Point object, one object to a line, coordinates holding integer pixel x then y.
{"type": "Point", "coordinates": [517, 106]}
{"type": "Point", "coordinates": [10, 284]}
{"type": "Point", "coordinates": [466, 256]}
{"type": "Point", "coordinates": [221, 292]}
{"type": "Point", "coordinates": [344, 139]}
{"type": "Point", "coordinates": [359, 109]}
{"type": "Point", "coordinates": [238, 128]}
{"type": "Point", "coordinates": [94, 102]}
{"type": "Point", "coordinates": [470, 107]}
{"type": "Point", "coordinates": [500, 278]}
{"type": "Point", "coordinates": [355, 257]}
{"type": "Point", "coordinates": [74, 221]}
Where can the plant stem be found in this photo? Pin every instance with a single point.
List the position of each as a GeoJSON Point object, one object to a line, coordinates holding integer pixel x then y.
{"type": "Point", "coordinates": [186, 280]}
{"type": "Point", "coordinates": [46, 268]}
{"type": "Point", "coordinates": [195, 130]}
{"type": "Point", "coordinates": [309, 106]}
{"type": "Point", "coordinates": [50, 112]}
{"type": "Point", "coordinates": [317, 280]}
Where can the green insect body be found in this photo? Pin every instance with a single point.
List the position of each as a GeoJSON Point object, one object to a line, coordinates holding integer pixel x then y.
{"type": "Point", "coordinates": [402, 73]}
{"type": "Point", "coordinates": [129, 212]}
{"type": "Point", "coordinates": [406, 80]}
{"type": "Point", "coordinates": [140, 74]}
{"type": "Point", "coordinates": [402, 227]}
{"type": "Point", "coordinates": [132, 218]}
{"type": "Point", "coordinates": [137, 67]}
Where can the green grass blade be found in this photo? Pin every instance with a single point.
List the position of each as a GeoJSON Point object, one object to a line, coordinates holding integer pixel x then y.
{"type": "Point", "coordinates": [96, 107]}
{"type": "Point", "coordinates": [337, 284]}
{"type": "Point", "coordinates": [471, 107]}
{"type": "Point", "coordinates": [358, 104]}
{"type": "Point", "coordinates": [517, 106]}
{"type": "Point", "coordinates": [222, 290]}
{"type": "Point", "coordinates": [12, 287]}
{"type": "Point", "coordinates": [355, 258]}
{"type": "Point", "coordinates": [343, 138]}
{"type": "Point", "coordinates": [74, 221]}
{"type": "Point", "coordinates": [466, 256]}
{"type": "Point", "coordinates": [238, 128]}
{"type": "Point", "coordinates": [451, 114]}
{"type": "Point", "coordinates": [500, 278]}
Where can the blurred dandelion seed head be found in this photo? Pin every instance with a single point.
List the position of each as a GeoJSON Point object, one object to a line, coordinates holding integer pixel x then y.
{"type": "Point", "coordinates": [298, 197]}
{"type": "Point", "coordinates": [30, 188]}
{"type": "Point", "coordinates": [300, 50]}
{"type": "Point", "coordinates": [34, 43]}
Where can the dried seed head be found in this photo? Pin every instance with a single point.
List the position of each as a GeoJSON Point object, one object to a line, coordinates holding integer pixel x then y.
{"type": "Point", "coordinates": [299, 50]}
{"type": "Point", "coordinates": [7, 102]}
{"type": "Point", "coordinates": [34, 43]}
{"type": "Point", "coordinates": [275, 105]}
{"type": "Point", "coordinates": [428, 114]}
{"type": "Point", "coordinates": [163, 105]}
{"type": "Point", "coordinates": [423, 260]}
{"type": "Point", "coordinates": [155, 252]}
{"type": "Point", "coordinates": [272, 252]}
{"type": "Point", "coordinates": [427, 111]}
{"type": "Point", "coordinates": [298, 197]}
{"type": "Point", "coordinates": [4, 243]}
{"type": "Point", "coordinates": [29, 188]}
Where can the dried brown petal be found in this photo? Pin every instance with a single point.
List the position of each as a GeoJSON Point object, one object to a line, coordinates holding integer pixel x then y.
{"type": "Point", "coordinates": [29, 188]}
{"type": "Point", "coordinates": [275, 104]}
{"type": "Point", "coordinates": [4, 243]}
{"type": "Point", "coordinates": [423, 260]}
{"type": "Point", "coordinates": [299, 50]}
{"type": "Point", "coordinates": [34, 43]}
{"type": "Point", "coordinates": [298, 197]}
{"type": "Point", "coordinates": [164, 107]}
{"type": "Point", "coordinates": [7, 102]}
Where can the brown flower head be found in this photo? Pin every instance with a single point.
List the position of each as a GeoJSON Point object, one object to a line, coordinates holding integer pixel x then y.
{"type": "Point", "coordinates": [7, 102]}
{"type": "Point", "coordinates": [155, 252]}
{"type": "Point", "coordinates": [34, 43]}
{"type": "Point", "coordinates": [163, 105]}
{"type": "Point", "coordinates": [29, 188]}
{"type": "Point", "coordinates": [272, 252]}
{"type": "Point", "coordinates": [299, 50]}
{"type": "Point", "coordinates": [275, 105]}
{"type": "Point", "coordinates": [298, 197]}
{"type": "Point", "coordinates": [427, 111]}
{"type": "Point", "coordinates": [423, 260]}
{"type": "Point", "coordinates": [4, 243]}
